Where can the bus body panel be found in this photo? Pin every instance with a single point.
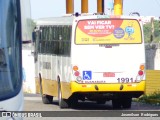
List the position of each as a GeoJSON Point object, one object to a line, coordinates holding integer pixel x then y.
{"type": "Point", "coordinates": [14, 103]}
{"type": "Point", "coordinates": [51, 67]}
{"type": "Point", "coordinates": [109, 66]}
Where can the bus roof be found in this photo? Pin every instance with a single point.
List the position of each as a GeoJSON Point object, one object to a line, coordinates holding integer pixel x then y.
{"type": "Point", "coordinates": [55, 21]}
{"type": "Point", "coordinates": [68, 20]}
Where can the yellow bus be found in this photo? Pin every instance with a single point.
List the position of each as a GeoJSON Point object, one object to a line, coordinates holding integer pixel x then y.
{"type": "Point", "coordinates": [95, 57]}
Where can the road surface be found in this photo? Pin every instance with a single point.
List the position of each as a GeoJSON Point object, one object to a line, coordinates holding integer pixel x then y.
{"type": "Point", "coordinates": [34, 103]}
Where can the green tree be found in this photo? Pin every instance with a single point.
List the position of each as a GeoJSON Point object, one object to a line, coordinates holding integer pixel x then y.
{"type": "Point", "coordinates": [31, 23]}
{"type": "Point", "coordinates": [148, 31]}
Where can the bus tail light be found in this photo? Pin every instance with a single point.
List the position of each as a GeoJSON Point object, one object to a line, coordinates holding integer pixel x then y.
{"type": "Point", "coordinates": [76, 73]}
{"type": "Point", "coordinates": [75, 68]}
{"type": "Point", "coordinates": [141, 70]}
{"type": "Point", "coordinates": [142, 67]}
{"type": "Point", "coordinates": [140, 73]}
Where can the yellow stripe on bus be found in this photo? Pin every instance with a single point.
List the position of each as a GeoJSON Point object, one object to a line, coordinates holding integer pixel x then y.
{"type": "Point", "coordinates": [50, 87]}
{"type": "Point", "coordinates": [107, 87]}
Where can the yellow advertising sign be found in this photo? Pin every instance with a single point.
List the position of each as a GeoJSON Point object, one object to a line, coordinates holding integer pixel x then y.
{"type": "Point", "coordinates": [108, 31]}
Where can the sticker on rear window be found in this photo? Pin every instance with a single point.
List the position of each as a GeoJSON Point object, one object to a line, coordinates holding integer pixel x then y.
{"type": "Point", "coordinates": [87, 75]}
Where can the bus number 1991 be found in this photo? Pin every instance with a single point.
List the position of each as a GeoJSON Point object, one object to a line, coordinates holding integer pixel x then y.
{"type": "Point", "coordinates": [125, 80]}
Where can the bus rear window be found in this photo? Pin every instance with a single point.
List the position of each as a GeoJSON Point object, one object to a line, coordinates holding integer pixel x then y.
{"type": "Point", "coordinates": [108, 31]}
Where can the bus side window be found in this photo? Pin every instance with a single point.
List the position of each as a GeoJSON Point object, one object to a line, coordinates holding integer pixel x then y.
{"type": "Point", "coordinates": [60, 40]}
{"type": "Point", "coordinates": [56, 42]}
{"type": "Point", "coordinates": [68, 41]}
{"type": "Point", "coordinates": [44, 40]}
{"type": "Point", "coordinates": [50, 40]}
{"type": "Point", "coordinates": [39, 40]}
{"type": "Point", "coordinates": [65, 43]}
{"type": "Point", "coordinates": [47, 41]}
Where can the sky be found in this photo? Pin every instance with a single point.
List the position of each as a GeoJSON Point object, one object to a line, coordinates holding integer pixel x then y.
{"type": "Point", "coordinates": [55, 8]}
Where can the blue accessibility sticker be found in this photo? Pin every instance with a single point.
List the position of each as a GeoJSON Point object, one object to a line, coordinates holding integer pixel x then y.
{"type": "Point", "coordinates": [87, 75]}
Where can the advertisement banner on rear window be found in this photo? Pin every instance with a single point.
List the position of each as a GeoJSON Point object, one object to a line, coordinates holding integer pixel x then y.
{"type": "Point", "coordinates": [108, 31]}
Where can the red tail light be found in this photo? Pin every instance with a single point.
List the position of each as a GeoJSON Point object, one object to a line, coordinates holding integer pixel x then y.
{"type": "Point", "coordinates": [140, 73]}
{"type": "Point", "coordinates": [76, 73]}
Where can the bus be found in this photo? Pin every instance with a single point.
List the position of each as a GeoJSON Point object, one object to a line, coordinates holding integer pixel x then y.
{"type": "Point", "coordinates": [90, 57]}
{"type": "Point", "coordinates": [11, 92]}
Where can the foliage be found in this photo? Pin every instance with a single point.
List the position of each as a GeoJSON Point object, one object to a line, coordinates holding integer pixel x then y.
{"type": "Point", "coordinates": [147, 28]}
{"type": "Point", "coordinates": [28, 26]}
{"type": "Point", "coordinates": [153, 98]}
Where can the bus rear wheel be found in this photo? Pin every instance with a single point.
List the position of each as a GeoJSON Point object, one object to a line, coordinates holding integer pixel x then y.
{"type": "Point", "coordinates": [101, 101]}
{"type": "Point", "coordinates": [116, 104]}
{"type": "Point", "coordinates": [47, 99]}
{"type": "Point", "coordinates": [62, 102]}
{"type": "Point", "coordinates": [73, 101]}
{"type": "Point", "coordinates": [126, 103]}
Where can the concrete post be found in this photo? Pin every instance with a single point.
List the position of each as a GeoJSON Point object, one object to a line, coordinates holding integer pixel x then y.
{"type": "Point", "coordinates": [100, 6]}
{"type": "Point", "coordinates": [69, 6]}
{"type": "Point", "coordinates": [84, 6]}
{"type": "Point", "coordinates": [118, 7]}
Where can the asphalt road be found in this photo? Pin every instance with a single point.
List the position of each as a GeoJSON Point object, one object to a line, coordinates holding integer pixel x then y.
{"type": "Point", "coordinates": [33, 103]}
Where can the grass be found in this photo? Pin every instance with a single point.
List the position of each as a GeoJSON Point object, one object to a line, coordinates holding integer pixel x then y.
{"type": "Point", "coordinates": [153, 98]}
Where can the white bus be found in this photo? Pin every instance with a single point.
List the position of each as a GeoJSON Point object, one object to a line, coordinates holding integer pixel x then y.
{"type": "Point", "coordinates": [96, 57]}
{"type": "Point", "coordinates": [11, 94]}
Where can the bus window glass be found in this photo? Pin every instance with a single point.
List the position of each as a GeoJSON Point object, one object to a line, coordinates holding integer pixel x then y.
{"type": "Point", "coordinates": [108, 31]}
{"type": "Point", "coordinates": [10, 49]}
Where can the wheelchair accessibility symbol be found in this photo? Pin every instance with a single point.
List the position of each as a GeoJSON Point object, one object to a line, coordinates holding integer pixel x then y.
{"type": "Point", "coordinates": [87, 75]}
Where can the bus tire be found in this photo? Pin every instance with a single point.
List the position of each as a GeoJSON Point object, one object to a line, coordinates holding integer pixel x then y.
{"type": "Point", "coordinates": [62, 102]}
{"type": "Point", "coordinates": [126, 102]}
{"type": "Point", "coordinates": [116, 104]}
{"type": "Point", "coordinates": [101, 101]}
{"type": "Point", "coordinates": [47, 99]}
{"type": "Point", "coordinates": [40, 84]}
{"type": "Point", "coordinates": [73, 101]}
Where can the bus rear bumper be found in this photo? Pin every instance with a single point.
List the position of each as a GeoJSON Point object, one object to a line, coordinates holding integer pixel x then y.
{"type": "Point", "coordinates": [128, 87]}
